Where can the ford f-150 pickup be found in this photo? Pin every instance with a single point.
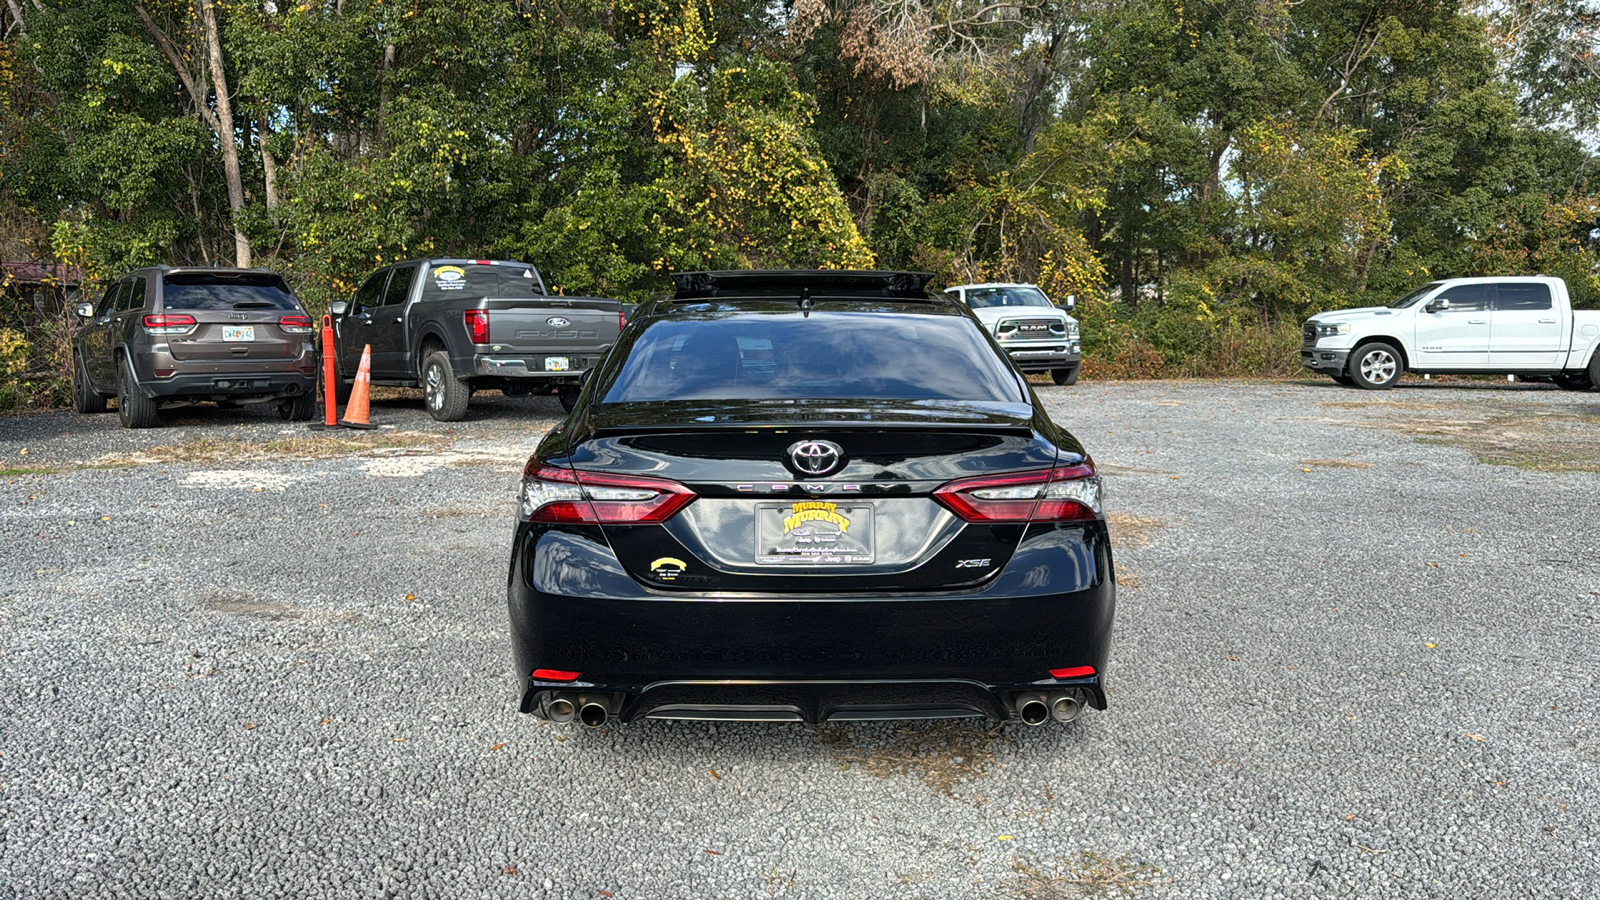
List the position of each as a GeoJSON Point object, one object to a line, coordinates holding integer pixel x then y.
{"type": "Point", "coordinates": [1523, 326]}
{"type": "Point", "coordinates": [454, 326]}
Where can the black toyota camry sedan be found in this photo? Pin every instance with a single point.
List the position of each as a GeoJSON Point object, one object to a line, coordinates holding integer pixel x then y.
{"type": "Point", "coordinates": [810, 496]}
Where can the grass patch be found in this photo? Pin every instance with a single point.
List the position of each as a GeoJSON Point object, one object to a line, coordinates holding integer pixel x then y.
{"type": "Point", "coordinates": [1336, 463]}
{"type": "Point", "coordinates": [206, 450]}
{"type": "Point", "coordinates": [1129, 530]}
{"type": "Point", "coordinates": [29, 470]}
{"type": "Point", "coordinates": [1089, 875]}
{"type": "Point", "coordinates": [945, 755]}
{"type": "Point", "coordinates": [1127, 579]}
{"type": "Point", "coordinates": [1506, 433]}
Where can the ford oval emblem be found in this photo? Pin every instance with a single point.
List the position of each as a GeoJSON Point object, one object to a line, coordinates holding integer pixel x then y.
{"type": "Point", "coordinates": [557, 322]}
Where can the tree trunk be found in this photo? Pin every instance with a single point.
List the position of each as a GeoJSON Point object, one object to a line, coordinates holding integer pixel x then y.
{"type": "Point", "coordinates": [16, 16]}
{"type": "Point", "coordinates": [269, 167]}
{"type": "Point", "coordinates": [225, 134]}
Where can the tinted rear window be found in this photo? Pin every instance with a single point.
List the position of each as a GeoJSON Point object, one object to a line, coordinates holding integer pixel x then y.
{"type": "Point", "coordinates": [446, 280]}
{"type": "Point", "coordinates": [837, 355]}
{"type": "Point", "coordinates": [226, 292]}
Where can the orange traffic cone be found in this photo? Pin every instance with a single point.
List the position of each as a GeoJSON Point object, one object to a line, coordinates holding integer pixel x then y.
{"type": "Point", "coordinates": [356, 411]}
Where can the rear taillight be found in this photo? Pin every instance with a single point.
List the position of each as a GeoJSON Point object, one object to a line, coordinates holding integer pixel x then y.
{"type": "Point", "coordinates": [622, 320]}
{"type": "Point", "coordinates": [295, 324]}
{"type": "Point", "coordinates": [1063, 494]}
{"type": "Point", "coordinates": [477, 324]}
{"type": "Point", "coordinates": [169, 324]}
{"type": "Point", "coordinates": [553, 494]}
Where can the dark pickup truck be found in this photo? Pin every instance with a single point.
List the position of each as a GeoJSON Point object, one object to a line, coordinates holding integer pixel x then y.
{"type": "Point", "coordinates": [455, 326]}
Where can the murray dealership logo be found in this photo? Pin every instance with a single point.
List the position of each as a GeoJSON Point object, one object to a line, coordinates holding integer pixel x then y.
{"type": "Point", "coordinates": [815, 457]}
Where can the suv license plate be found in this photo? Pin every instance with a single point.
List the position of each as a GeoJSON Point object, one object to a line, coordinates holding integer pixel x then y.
{"type": "Point", "coordinates": [235, 333]}
{"type": "Point", "coordinates": [555, 364]}
{"type": "Point", "coordinates": [814, 533]}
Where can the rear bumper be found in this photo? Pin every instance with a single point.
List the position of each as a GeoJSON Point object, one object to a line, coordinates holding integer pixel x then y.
{"type": "Point", "coordinates": [535, 366]}
{"type": "Point", "coordinates": [225, 385]}
{"type": "Point", "coordinates": [809, 657]}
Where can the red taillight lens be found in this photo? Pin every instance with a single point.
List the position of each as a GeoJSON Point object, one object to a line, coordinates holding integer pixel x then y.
{"type": "Point", "coordinates": [555, 675]}
{"type": "Point", "coordinates": [553, 494]}
{"type": "Point", "coordinates": [295, 324]}
{"type": "Point", "coordinates": [477, 324]}
{"type": "Point", "coordinates": [1073, 672]}
{"type": "Point", "coordinates": [1063, 494]}
{"type": "Point", "coordinates": [622, 320]}
{"type": "Point", "coordinates": [169, 324]}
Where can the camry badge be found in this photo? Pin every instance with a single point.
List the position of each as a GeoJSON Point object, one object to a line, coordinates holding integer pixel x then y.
{"type": "Point", "coordinates": [815, 457]}
{"type": "Point", "coordinates": [557, 322]}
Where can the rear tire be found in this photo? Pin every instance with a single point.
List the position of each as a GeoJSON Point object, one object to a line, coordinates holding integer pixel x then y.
{"type": "Point", "coordinates": [299, 408]}
{"type": "Point", "coordinates": [568, 397]}
{"type": "Point", "coordinates": [85, 399]}
{"type": "Point", "coordinates": [445, 397]}
{"type": "Point", "coordinates": [1572, 382]}
{"type": "Point", "coordinates": [1065, 376]}
{"type": "Point", "coordinates": [133, 407]}
{"type": "Point", "coordinates": [1376, 366]}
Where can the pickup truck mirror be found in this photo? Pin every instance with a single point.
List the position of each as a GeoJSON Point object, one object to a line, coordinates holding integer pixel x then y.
{"type": "Point", "coordinates": [1071, 302]}
{"type": "Point", "coordinates": [338, 307]}
{"type": "Point", "coordinates": [1437, 304]}
{"type": "Point", "coordinates": [85, 310]}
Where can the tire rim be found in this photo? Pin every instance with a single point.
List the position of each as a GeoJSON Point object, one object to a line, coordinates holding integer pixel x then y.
{"type": "Point", "coordinates": [1378, 366]}
{"type": "Point", "coordinates": [434, 387]}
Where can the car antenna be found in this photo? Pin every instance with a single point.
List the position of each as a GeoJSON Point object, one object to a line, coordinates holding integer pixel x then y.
{"type": "Point", "coordinates": [805, 301]}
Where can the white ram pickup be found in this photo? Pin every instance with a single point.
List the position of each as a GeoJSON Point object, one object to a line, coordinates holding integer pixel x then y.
{"type": "Point", "coordinates": [1466, 326]}
{"type": "Point", "coordinates": [1038, 335]}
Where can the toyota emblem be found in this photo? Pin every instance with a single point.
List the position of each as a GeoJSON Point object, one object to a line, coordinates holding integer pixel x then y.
{"type": "Point", "coordinates": [557, 322]}
{"type": "Point", "coordinates": [816, 457]}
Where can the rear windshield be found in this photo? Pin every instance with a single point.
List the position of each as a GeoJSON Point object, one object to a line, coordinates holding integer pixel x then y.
{"type": "Point", "coordinates": [826, 356]}
{"type": "Point", "coordinates": [227, 292]}
{"type": "Point", "coordinates": [451, 280]}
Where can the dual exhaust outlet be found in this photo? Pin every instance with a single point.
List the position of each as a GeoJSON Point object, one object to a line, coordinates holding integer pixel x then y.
{"type": "Point", "coordinates": [592, 710]}
{"type": "Point", "coordinates": [1037, 708]}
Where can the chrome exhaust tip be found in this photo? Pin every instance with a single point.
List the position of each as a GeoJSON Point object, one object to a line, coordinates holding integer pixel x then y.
{"type": "Point", "coordinates": [560, 710]}
{"type": "Point", "coordinates": [1066, 708]}
{"type": "Point", "coordinates": [593, 714]}
{"type": "Point", "coordinates": [1033, 709]}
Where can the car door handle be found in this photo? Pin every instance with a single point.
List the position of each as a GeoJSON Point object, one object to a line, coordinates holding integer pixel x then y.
{"type": "Point", "coordinates": [398, 320]}
{"type": "Point", "coordinates": [1477, 321]}
{"type": "Point", "coordinates": [1547, 321]}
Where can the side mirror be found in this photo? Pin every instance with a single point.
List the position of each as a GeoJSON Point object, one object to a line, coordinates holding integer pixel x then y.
{"type": "Point", "coordinates": [338, 307]}
{"type": "Point", "coordinates": [85, 310]}
{"type": "Point", "coordinates": [1437, 304]}
{"type": "Point", "coordinates": [1071, 302]}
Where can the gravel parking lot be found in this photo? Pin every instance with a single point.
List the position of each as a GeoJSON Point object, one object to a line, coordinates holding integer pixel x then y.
{"type": "Point", "coordinates": [1356, 656]}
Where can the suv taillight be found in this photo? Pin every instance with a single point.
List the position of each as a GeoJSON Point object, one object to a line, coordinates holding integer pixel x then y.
{"type": "Point", "coordinates": [1062, 494]}
{"type": "Point", "coordinates": [477, 324]}
{"type": "Point", "coordinates": [554, 494]}
{"type": "Point", "coordinates": [295, 324]}
{"type": "Point", "coordinates": [169, 324]}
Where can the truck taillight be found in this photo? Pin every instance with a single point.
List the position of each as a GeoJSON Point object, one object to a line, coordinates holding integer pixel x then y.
{"type": "Point", "coordinates": [169, 324]}
{"type": "Point", "coordinates": [1062, 494]}
{"type": "Point", "coordinates": [622, 320]}
{"type": "Point", "coordinates": [295, 324]}
{"type": "Point", "coordinates": [477, 325]}
{"type": "Point", "coordinates": [555, 494]}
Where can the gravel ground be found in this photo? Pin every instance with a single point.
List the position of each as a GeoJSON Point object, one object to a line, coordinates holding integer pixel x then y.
{"type": "Point", "coordinates": [1351, 661]}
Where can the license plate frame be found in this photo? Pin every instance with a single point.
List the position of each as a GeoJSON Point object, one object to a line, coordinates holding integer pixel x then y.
{"type": "Point", "coordinates": [821, 533]}
{"type": "Point", "coordinates": [238, 334]}
{"type": "Point", "coordinates": [557, 364]}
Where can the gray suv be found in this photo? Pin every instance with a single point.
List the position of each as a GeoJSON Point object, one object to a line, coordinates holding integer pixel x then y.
{"type": "Point", "coordinates": [166, 336]}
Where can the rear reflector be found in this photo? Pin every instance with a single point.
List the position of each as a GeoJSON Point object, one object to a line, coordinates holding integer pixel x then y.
{"type": "Point", "coordinates": [554, 675]}
{"type": "Point", "coordinates": [1073, 672]}
{"type": "Point", "coordinates": [295, 324]}
{"type": "Point", "coordinates": [555, 494]}
{"type": "Point", "coordinates": [169, 324]}
{"type": "Point", "coordinates": [1062, 494]}
{"type": "Point", "coordinates": [477, 324]}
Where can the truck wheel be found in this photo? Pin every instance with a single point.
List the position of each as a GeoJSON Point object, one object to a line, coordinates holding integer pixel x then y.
{"type": "Point", "coordinates": [568, 397]}
{"type": "Point", "coordinates": [299, 408]}
{"type": "Point", "coordinates": [1572, 381]}
{"type": "Point", "coordinates": [445, 397]}
{"type": "Point", "coordinates": [133, 407]}
{"type": "Point", "coordinates": [1345, 380]}
{"type": "Point", "coordinates": [1065, 376]}
{"type": "Point", "coordinates": [1375, 367]}
{"type": "Point", "coordinates": [85, 399]}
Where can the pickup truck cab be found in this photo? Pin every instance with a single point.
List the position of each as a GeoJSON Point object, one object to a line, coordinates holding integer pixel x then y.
{"type": "Point", "coordinates": [1522, 326]}
{"type": "Point", "coordinates": [1038, 335]}
{"type": "Point", "coordinates": [455, 326]}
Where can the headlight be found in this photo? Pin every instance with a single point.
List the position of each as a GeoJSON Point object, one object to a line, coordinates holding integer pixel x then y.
{"type": "Point", "coordinates": [1072, 329]}
{"type": "Point", "coordinates": [1331, 330]}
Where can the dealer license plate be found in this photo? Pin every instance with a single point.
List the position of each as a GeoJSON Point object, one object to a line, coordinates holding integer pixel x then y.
{"type": "Point", "coordinates": [556, 364]}
{"type": "Point", "coordinates": [814, 533]}
{"type": "Point", "coordinates": [234, 333]}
